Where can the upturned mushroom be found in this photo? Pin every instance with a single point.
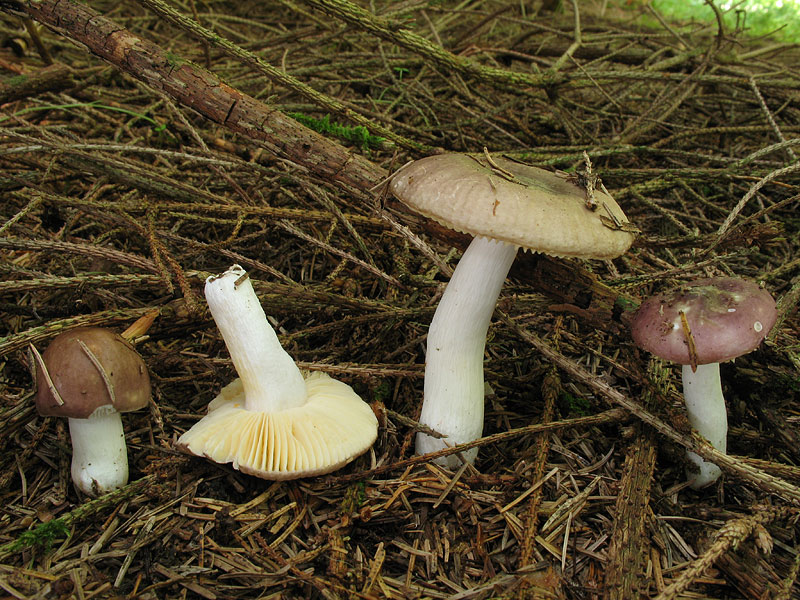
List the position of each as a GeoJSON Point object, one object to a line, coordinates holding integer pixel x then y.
{"type": "Point", "coordinates": [506, 205]}
{"type": "Point", "coordinates": [699, 325]}
{"type": "Point", "coordinates": [272, 422]}
{"type": "Point", "coordinates": [90, 375]}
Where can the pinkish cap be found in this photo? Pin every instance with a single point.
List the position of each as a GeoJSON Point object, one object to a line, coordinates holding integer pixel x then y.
{"type": "Point", "coordinates": [727, 317]}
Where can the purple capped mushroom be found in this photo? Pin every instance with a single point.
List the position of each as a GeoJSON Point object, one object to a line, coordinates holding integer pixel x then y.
{"type": "Point", "coordinates": [700, 325]}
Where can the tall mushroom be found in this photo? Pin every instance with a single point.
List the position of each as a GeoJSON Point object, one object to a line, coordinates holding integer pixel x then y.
{"type": "Point", "coordinates": [272, 422]}
{"type": "Point", "coordinates": [699, 325]}
{"type": "Point", "coordinates": [91, 375]}
{"type": "Point", "coordinates": [506, 205]}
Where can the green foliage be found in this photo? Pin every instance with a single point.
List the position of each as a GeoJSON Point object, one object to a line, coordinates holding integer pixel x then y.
{"type": "Point", "coordinates": [789, 383]}
{"type": "Point", "coordinates": [16, 80]}
{"type": "Point", "coordinates": [756, 17]}
{"type": "Point", "coordinates": [625, 304]}
{"type": "Point", "coordinates": [174, 61]}
{"type": "Point", "coordinates": [43, 535]}
{"type": "Point", "coordinates": [575, 405]}
{"type": "Point", "coordinates": [358, 135]}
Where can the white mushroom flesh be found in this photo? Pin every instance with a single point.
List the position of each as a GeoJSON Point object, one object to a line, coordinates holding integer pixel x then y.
{"type": "Point", "coordinates": [705, 406]}
{"type": "Point", "coordinates": [270, 377]}
{"type": "Point", "coordinates": [454, 390]}
{"type": "Point", "coordinates": [99, 455]}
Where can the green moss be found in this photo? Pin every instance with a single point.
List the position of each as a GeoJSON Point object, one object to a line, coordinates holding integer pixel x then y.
{"type": "Point", "coordinates": [575, 405]}
{"type": "Point", "coordinates": [358, 135]}
{"type": "Point", "coordinates": [16, 80]}
{"type": "Point", "coordinates": [354, 497]}
{"type": "Point", "coordinates": [382, 392]}
{"type": "Point", "coordinates": [626, 304]}
{"type": "Point", "coordinates": [175, 61]}
{"type": "Point", "coordinates": [42, 535]}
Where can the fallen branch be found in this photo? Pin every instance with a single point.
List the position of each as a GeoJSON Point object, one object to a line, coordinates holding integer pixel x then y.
{"type": "Point", "coordinates": [203, 91]}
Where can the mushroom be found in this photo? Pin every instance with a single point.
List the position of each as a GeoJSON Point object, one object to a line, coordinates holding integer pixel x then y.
{"type": "Point", "coordinates": [505, 205]}
{"type": "Point", "coordinates": [272, 422]}
{"type": "Point", "coordinates": [699, 325]}
{"type": "Point", "coordinates": [90, 375]}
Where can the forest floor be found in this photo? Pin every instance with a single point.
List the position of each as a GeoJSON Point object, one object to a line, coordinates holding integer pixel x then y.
{"type": "Point", "coordinates": [146, 147]}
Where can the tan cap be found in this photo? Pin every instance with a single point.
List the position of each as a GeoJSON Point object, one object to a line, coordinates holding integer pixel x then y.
{"type": "Point", "coordinates": [89, 368]}
{"type": "Point", "coordinates": [332, 428]}
{"type": "Point", "coordinates": [513, 202]}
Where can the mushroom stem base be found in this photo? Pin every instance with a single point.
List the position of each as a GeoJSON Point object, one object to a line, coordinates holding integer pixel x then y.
{"type": "Point", "coordinates": [705, 408]}
{"type": "Point", "coordinates": [454, 388]}
{"type": "Point", "coordinates": [99, 455]}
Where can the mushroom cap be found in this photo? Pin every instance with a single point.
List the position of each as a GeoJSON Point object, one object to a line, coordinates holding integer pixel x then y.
{"type": "Point", "coordinates": [332, 428]}
{"type": "Point", "coordinates": [532, 208]}
{"type": "Point", "coordinates": [727, 317]}
{"type": "Point", "coordinates": [113, 376]}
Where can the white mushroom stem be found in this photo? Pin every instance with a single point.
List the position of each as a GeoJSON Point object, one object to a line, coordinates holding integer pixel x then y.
{"type": "Point", "coordinates": [271, 380]}
{"type": "Point", "coordinates": [99, 455]}
{"type": "Point", "coordinates": [454, 391]}
{"type": "Point", "coordinates": [705, 406]}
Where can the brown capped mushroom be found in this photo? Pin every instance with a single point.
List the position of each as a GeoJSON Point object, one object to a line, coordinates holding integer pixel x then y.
{"type": "Point", "coordinates": [90, 375]}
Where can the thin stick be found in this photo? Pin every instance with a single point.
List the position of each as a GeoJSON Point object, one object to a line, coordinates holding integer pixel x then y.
{"type": "Point", "coordinates": [576, 43]}
{"type": "Point", "coordinates": [732, 533]}
{"type": "Point", "coordinates": [770, 118]}
{"type": "Point", "coordinates": [277, 75]}
{"type": "Point", "coordinates": [745, 199]}
{"type": "Point", "coordinates": [693, 442]}
{"type": "Point", "coordinates": [609, 416]}
{"type": "Point", "coordinates": [84, 511]}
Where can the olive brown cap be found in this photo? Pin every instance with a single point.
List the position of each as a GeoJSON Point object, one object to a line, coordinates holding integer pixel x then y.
{"type": "Point", "coordinates": [88, 368]}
